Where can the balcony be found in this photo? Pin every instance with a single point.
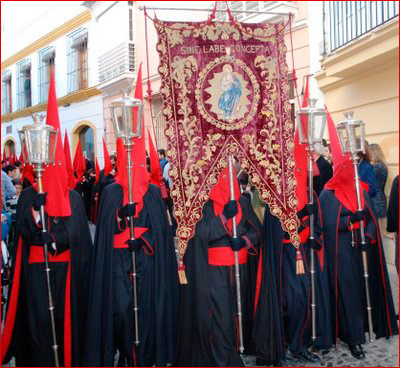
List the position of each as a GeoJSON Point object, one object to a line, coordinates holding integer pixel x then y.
{"type": "Point", "coordinates": [116, 64]}
{"type": "Point", "coordinates": [348, 20]}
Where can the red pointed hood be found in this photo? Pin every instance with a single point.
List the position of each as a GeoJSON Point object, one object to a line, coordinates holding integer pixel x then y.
{"type": "Point", "coordinates": [79, 161]}
{"type": "Point", "coordinates": [220, 195]}
{"type": "Point", "coordinates": [27, 173]}
{"type": "Point", "coordinates": [107, 161]}
{"type": "Point", "coordinates": [21, 158]}
{"type": "Point", "coordinates": [68, 162]}
{"type": "Point", "coordinates": [300, 157]}
{"type": "Point", "coordinates": [342, 182]}
{"type": "Point", "coordinates": [97, 170]}
{"type": "Point", "coordinates": [55, 177]}
{"type": "Point", "coordinates": [12, 159]}
{"type": "Point", "coordinates": [156, 176]}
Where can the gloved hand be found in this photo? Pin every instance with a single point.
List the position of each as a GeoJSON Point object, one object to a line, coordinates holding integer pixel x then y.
{"type": "Point", "coordinates": [135, 245]}
{"type": "Point", "coordinates": [128, 210]}
{"type": "Point", "coordinates": [237, 243]}
{"type": "Point", "coordinates": [366, 245]}
{"type": "Point", "coordinates": [357, 216]}
{"type": "Point", "coordinates": [44, 237]}
{"type": "Point", "coordinates": [39, 200]}
{"type": "Point", "coordinates": [230, 209]}
{"type": "Point", "coordinates": [307, 210]}
{"type": "Point", "coordinates": [313, 244]}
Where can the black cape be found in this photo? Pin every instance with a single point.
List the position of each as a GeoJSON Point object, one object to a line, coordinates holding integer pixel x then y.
{"type": "Point", "coordinates": [157, 297]}
{"type": "Point", "coordinates": [199, 342]}
{"type": "Point", "coordinates": [268, 326]}
{"type": "Point", "coordinates": [31, 336]}
{"type": "Point", "coordinates": [295, 291]}
{"type": "Point", "coordinates": [345, 275]}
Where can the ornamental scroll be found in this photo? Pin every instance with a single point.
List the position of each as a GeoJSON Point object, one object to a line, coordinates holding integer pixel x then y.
{"type": "Point", "coordinates": [225, 91]}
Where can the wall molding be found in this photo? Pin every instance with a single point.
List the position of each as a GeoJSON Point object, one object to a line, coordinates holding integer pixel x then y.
{"type": "Point", "coordinates": [67, 99]}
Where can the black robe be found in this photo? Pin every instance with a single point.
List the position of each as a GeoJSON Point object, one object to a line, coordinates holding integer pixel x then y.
{"type": "Point", "coordinates": [207, 331]}
{"type": "Point", "coordinates": [110, 317]}
{"type": "Point", "coordinates": [295, 292]}
{"type": "Point", "coordinates": [346, 276]}
{"type": "Point", "coordinates": [31, 333]}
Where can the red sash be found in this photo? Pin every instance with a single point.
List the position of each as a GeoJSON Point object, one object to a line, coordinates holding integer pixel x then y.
{"type": "Point", "coordinates": [224, 256]}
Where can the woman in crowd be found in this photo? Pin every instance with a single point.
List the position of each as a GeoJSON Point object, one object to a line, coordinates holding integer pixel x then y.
{"type": "Point", "coordinates": [381, 173]}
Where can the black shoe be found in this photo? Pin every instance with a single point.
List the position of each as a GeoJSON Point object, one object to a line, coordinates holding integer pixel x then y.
{"type": "Point", "coordinates": [357, 351]}
{"type": "Point", "coordinates": [307, 356]}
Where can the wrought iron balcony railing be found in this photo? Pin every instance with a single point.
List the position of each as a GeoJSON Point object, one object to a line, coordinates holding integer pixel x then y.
{"type": "Point", "coordinates": [349, 20]}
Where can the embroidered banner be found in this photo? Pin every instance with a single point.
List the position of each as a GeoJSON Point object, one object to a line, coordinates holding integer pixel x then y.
{"type": "Point", "coordinates": [225, 91]}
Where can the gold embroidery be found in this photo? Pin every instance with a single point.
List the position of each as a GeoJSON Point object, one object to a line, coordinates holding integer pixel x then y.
{"type": "Point", "coordinates": [205, 157]}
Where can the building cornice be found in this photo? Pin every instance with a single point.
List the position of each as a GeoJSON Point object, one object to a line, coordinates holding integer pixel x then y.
{"type": "Point", "coordinates": [371, 38]}
{"type": "Point", "coordinates": [68, 99]}
{"type": "Point", "coordinates": [65, 28]}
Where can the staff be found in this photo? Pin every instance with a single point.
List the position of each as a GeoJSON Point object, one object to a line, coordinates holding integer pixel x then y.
{"type": "Point", "coordinates": [126, 127]}
{"type": "Point", "coordinates": [352, 140]}
{"type": "Point", "coordinates": [311, 126]}
{"type": "Point", "coordinates": [39, 144]}
{"type": "Point", "coordinates": [237, 274]}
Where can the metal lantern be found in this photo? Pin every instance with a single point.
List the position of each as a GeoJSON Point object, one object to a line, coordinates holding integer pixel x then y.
{"type": "Point", "coordinates": [351, 134]}
{"type": "Point", "coordinates": [122, 114]}
{"type": "Point", "coordinates": [38, 142]}
{"type": "Point", "coordinates": [311, 122]}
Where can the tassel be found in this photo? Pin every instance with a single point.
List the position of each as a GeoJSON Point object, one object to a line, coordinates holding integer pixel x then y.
{"type": "Point", "coordinates": [299, 263]}
{"type": "Point", "coordinates": [182, 273]}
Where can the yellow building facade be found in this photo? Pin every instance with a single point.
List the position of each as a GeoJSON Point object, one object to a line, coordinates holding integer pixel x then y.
{"type": "Point", "coordinates": [363, 76]}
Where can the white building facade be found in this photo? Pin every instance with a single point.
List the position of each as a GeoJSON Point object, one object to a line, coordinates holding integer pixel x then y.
{"type": "Point", "coordinates": [70, 49]}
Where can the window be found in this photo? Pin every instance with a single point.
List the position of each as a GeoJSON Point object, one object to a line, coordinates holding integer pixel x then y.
{"type": "Point", "coordinates": [46, 66]}
{"type": "Point", "coordinates": [6, 99]}
{"type": "Point", "coordinates": [77, 60]}
{"type": "Point", "coordinates": [130, 25]}
{"type": "Point", "coordinates": [24, 84]}
{"type": "Point", "coordinates": [10, 148]}
{"type": "Point", "coordinates": [159, 121]}
{"type": "Point", "coordinates": [131, 57]}
{"type": "Point", "coordinates": [86, 138]}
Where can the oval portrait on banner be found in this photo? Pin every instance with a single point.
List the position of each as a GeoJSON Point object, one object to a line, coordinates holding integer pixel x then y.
{"type": "Point", "coordinates": [227, 93]}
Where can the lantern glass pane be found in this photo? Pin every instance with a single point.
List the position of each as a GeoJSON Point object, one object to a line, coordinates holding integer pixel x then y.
{"type": "Point", "coordinates": [356, 131]}
{"type": "Point", "coordinates": [302, 121]}
{"type": "Point", "coordinates": [118, 120]}
{"type": "Point", "coordinates": [344, 139]}
{"type": "Point", "coordinates": [52, 146]}
{"type": "Point", "coordinates": [318, 128]}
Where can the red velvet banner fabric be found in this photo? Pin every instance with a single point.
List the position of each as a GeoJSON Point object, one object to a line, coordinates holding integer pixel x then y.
{"type": "Point", "coordinates": [225, 91]}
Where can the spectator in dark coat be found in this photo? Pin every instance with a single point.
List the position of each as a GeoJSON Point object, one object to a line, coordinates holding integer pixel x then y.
{"type": "Point", "coordinates": [366, 171]}
{"type": "Point", "coordinates": [325, 171]}
{"type": "Point", "coordinates": [393, 217]}
{"type": "Point", "coordinates": [381, 173]}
